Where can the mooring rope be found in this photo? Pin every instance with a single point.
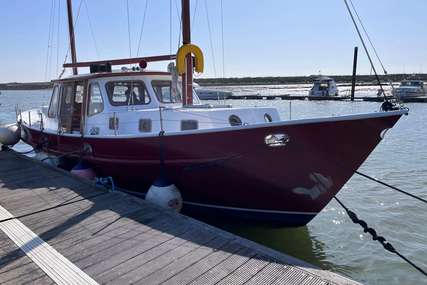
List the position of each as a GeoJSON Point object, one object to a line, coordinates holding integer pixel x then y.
{"type": "Point", "coordinates": [391, 186]}
{"type": "Point", "coordinates": [387, 246]}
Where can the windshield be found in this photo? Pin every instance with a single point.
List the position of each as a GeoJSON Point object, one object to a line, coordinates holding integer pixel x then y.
{"type": "Point", "coordinates": [412, 83]}
{"type": "Point", "coordinates": [165, 93]}
{"type": "Point", "coordinates": [127, 93]}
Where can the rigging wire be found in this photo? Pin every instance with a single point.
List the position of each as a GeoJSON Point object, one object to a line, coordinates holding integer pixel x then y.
{"type": "Point", "coordinates": [91, 29]}
{"type": "Point", "coordinates": [366, 50]}
{"type": "Point", "coordinates": [170, 26]}
{"type": "Point", "coordinates": [58, 37]}
{"type": "Point", "coordinates": [69, 47]}
{"type": "Point", "coordinates": [128, 18]}
{"type": "Point", "coordinates": [49, 40]}
{"type": "Point", "coordinates": [179, 15]}
{"type": "Point", "coordinates": [373, 46]}
{"type": "Point", "coordinates": [194, 13]}
{"type": "Point", "coordinates": [222, 39]}
{"type": "Point", "coordinates": [368, 37]}
{"type": "Point", "coordinates": [142, 27]}
{"type": "Point", "coordinates": [210, 38]}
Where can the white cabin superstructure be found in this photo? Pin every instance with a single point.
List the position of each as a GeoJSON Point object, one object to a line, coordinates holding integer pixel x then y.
{"type": "Point", "coordinates": [133, 104]}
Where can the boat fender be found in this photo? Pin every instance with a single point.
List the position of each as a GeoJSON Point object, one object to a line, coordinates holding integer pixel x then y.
{"type": "Point", "coordinates": [10, 134]}
{"type": "Point", "coordinates": [183, 52]}
{"type": "Point", "coordinates": [83, 170]}
{"type": "Point", "coordinates": [165, 194]}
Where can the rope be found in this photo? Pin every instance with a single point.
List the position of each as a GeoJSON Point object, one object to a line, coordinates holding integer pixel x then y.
{"type": "Point", "coordinates": [391, 186]}
{"type": "Point", "coordinates": [366, 50]}
{"type": "Point", "coordinates": [210, 37]}
{"type": "Point", "coordinates": [142, 27]}
{"type": "Point", "coordinates": [387, 246]}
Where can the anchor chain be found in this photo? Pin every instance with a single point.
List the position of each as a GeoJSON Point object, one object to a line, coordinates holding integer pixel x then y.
{"type": "Point", "coordinates": [387, 246]}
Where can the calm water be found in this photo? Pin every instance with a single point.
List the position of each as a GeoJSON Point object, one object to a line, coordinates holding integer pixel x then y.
{"type": "Point", "coordinates": [331, 240]}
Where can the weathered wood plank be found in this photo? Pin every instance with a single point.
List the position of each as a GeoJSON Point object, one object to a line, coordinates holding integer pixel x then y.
{"type": "Point", "coordinates": [119, 239]}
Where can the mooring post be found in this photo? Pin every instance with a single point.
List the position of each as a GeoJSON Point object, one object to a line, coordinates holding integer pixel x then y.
{"type": "Point", "coordinates": [353, 79]}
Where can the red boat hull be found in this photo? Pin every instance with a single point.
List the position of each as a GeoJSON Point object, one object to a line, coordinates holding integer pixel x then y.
{"type": "Point", "coordinates": [233, 172]}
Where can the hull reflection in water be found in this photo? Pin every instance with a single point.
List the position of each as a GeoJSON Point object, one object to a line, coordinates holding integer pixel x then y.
{"type": "Point", "coordinates": [296, 242]}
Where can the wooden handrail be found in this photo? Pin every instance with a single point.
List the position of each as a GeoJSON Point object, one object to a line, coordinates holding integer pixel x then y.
{"type": "Point", "coordinates": [122, 61]}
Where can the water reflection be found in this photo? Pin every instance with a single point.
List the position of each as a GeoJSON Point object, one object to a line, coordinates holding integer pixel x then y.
{"type": "Point", "coordinates": [297, 242]}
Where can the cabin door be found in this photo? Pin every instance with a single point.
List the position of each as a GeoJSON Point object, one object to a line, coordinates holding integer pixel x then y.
{"type": "Point", "coordinates": [70, 115]}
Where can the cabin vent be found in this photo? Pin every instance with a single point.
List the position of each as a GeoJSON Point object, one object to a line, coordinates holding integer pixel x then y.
{"type": "Point", "coordinates": [145, 125]}
{"type": "Point", "coordinates": [189, 125]}
{"type": "Point", "coordinates": [268, 118]}
{"type": "Point", "coordinates": [114, 123]}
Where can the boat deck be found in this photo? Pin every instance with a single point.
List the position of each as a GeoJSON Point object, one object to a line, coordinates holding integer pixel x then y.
{"type": "Point", "coordinates": [56, 228]}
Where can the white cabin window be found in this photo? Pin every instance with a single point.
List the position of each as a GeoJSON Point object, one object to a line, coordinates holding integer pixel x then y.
{"type": "Point", "coordinates": [165, 92]}
{"type": "Point", "coordinates": [96, 103]}
{"type": "Point", "coordinates": [127, 93]}
{"type": "Point", "coordinates": [53, 106]}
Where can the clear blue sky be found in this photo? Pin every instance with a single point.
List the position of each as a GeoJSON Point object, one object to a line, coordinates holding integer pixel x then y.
{"type": "Point", "coordinates": [262, 38]}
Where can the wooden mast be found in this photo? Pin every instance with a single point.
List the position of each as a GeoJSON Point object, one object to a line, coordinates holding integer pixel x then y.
{"type": "Point", "coordinates": [187, 77]}
{"type": "Point", "coordinates": [71, 33]}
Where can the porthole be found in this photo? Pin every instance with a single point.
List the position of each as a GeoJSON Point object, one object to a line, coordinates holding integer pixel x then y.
{"type": "Point", "coordinates": [268, 118]}
{"type": "Point", "coordinates": [235, 120]}
{"type": "Point", "coordinates": [275, 140]}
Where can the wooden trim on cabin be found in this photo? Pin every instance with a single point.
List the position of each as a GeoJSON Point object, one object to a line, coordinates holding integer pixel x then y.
{"type": "Point", "coordinates": [109, 74]}
{"type": "Point", "coordinates": [121, 61]}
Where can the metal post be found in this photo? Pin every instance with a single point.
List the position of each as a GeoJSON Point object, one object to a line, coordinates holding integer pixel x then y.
{"type": "Point", "coordinates": [353, 79]}
{"type": "Point", "coordinates": [71, 33]}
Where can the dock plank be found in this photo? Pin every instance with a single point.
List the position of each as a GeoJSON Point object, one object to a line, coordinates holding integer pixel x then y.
{"type": "Point", "coordinates": [118, 239]}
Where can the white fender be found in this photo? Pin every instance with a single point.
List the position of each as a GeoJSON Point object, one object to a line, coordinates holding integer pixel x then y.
{"type": "Point", "coordinates": [165, 196]}
{"type": "Point", "coordinates": [10, 134]}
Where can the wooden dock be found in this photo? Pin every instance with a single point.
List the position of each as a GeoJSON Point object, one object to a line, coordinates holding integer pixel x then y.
{"type": "Point", "coordinates": [56, 228]}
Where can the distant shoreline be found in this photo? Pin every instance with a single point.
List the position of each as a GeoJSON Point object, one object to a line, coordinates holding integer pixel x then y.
{"type": "Point", "coordinates": [279, 80]}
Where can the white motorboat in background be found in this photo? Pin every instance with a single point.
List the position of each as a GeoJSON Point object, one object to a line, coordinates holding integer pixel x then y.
{"type": "Point", "coordinates": [323, 86]}
{"type": "Point", "coordinates": [211, 94]}
{"type": "Point", "coordinates": [410, 89]}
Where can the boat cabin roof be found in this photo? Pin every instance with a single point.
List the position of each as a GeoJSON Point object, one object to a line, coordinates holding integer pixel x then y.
{"type": "Point", "coordinates": [81, 77]}
{"type": "Point", "coordinates": [323, 79]}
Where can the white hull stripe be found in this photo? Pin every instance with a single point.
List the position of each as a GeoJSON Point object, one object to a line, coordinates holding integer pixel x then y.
{"type": "Point", "coordinates": [250, 210]}
{"type": "Point", "coordinates": [55, 265]}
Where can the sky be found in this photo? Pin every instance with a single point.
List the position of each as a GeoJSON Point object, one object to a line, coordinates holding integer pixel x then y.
{"type": "Point", "coordinates": [261, 38]}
